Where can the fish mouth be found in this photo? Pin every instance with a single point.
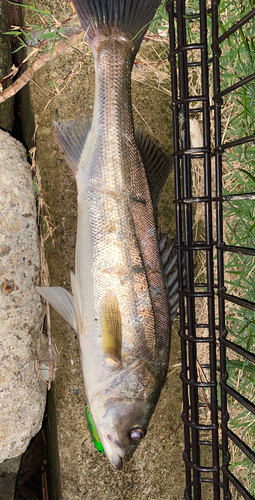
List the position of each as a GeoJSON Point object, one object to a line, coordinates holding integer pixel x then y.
{"type": "Point", "coordinates": [117, 461]}
{"type": "Point", "coordinates": [114, 451]}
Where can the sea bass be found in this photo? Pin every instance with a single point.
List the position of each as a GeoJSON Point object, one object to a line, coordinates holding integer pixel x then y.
{"type": "Point", "coordinates": [119, 304]}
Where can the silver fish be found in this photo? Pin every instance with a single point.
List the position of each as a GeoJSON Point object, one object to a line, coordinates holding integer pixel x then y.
{"type": "Point", "coordinates": [120, 306]}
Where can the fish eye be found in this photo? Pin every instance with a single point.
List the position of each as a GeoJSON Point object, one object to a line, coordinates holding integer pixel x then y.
{"type": "Point", "coordinates": [137, 433]}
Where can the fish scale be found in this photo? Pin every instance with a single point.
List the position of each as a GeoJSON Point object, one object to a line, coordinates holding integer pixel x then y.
{"type": "Point", "coordinates": [120, 304]}
{"type": "Point", "coordinates": [121, 166]}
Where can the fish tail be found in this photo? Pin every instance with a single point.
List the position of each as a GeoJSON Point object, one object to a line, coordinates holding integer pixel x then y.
{"type": "Point", "coordinates": [106, 17]}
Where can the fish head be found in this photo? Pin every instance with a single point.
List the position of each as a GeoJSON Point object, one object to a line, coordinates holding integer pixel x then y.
{"type": "Point", "coordinates": [122, 410]}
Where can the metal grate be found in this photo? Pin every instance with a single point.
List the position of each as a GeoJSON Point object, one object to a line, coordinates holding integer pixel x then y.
{"type": "Point", "coordinates": [195, 44]}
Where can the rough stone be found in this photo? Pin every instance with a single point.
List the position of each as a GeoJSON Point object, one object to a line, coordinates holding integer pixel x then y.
{"type": "Point", "coordinates": [22, 394]}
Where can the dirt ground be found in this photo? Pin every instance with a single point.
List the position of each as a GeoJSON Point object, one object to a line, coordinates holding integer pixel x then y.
{"type": "Point", "coordinates": [157, 469]}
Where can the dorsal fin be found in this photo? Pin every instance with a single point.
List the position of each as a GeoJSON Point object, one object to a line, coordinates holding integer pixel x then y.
{"type": "Point", "coordinates": [71, 137]}
{"type": "Point", "coordinates": [111, 334]}
{"type": "Point", "coordinates": [157, 163]}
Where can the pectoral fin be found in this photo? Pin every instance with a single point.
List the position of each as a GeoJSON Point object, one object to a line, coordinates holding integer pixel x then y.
{"type": "Point", "coordinates": [62, 301]}
{"type": "Point", "coordinates": [111, 335]}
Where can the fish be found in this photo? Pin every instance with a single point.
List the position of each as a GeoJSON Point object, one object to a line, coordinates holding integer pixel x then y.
{"type": "Point", "coordinates": [121, 305]}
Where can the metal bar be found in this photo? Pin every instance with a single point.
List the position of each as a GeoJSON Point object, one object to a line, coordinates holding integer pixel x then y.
{"type": "Point", "coordinates": [178, 212]}
{"type": "Point", "coordinates": [198, 340]}
{"type": "Point", "coordinates": [201, 468]}
{"type": "Point", "coordinates": [194, 152]}
{"type": "Point", "coordinates": [232, 144]}
{"type": "Point", "coordinates": [238, 486]}
{"type": "Point", "coordinates": [196, 294]}
{"type": "Point", "coordinates": [240, 250]}
{"type": "Point", "coordinates": [185, 48]}
{"type": "Point", "coordinates": [241, 445]}
{"type": "Point", "coordinates": [187, 222]}
{"type": "Point", "coordinates": [237, 300]}
{"type": "Point", "coordinates": [219, 223]}
{"type": "Point", "coordinates": [188, 255]}
{"type": "Point", "coordinates": [197, 245]}
{"type": "Point", "coordinates": [193, 98]}
{"type": "Point", "coordinates": [235, 27]}
{"type": "Point", "coordinates": [238, 349]}
{"type": "Point", "coordinates": [236, 197]}
{"type": "Point", "coordinates": [236, 85]}
{"type": "Point", "coordinates": [231, 197]}
{"type": "Point", "coordinates": [238, 397]}
{"type": "Point", "coordinates": [186, 246]}
{"type": "Point", "coordinates": [202, 427]}
{"type": "Point", "coordinates": [226, 390]}
{"type": "Point", "coordinates": [194, 384]}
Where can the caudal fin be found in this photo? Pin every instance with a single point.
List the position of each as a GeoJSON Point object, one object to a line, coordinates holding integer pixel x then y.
{"type": "Point", "coordinates": [131, 17]}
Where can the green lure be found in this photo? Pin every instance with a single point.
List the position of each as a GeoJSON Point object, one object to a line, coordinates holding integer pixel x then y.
{"type": "Point", "coordinates": [93, 431]}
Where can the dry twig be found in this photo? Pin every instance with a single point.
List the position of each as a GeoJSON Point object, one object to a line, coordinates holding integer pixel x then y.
{"type": "Point", "coordinates": [51, 358]}
{"type": "Point", "coordinates": [37, 64]}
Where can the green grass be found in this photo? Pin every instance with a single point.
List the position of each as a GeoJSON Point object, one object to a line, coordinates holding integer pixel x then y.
{"type": "Point", "coordinates": [42, 22]}
{"type": "Point", "coordinates": [238, 61]}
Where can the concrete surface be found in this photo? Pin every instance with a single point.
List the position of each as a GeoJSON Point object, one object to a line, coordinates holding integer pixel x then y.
{"type": "Point", "coordinates": [22, 394]}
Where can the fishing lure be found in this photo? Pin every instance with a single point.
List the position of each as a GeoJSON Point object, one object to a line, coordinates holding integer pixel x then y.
{"type": "Point", "coordinates": [93, 431]}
